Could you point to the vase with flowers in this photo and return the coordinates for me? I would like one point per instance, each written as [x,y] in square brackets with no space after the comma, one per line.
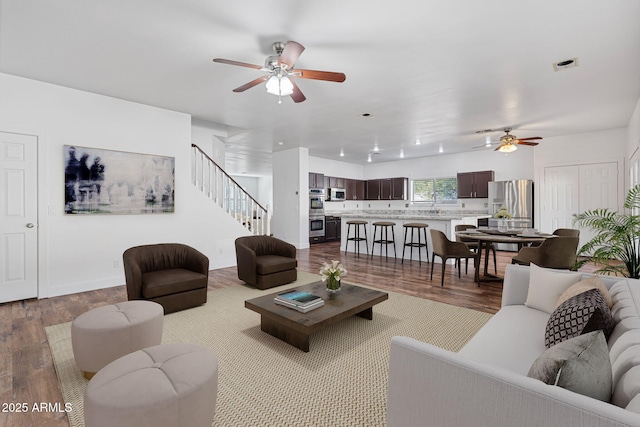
[503,215]
[331,275]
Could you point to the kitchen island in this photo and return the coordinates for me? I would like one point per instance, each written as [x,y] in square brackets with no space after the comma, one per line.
[444,221]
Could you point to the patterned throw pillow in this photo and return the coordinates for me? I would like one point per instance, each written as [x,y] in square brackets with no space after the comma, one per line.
[578,315]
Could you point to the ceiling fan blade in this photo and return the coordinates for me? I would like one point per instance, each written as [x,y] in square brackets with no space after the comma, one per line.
[292,50]
[493,144]
[297,94]
[498,147]
[251,84]
[241,64]
[533,137]
[527,142]
[320,75]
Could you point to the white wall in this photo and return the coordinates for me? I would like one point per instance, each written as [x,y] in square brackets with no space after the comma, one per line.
[593,147]
[335,168]
[633,131]
[290,199]
[78,252]
[206,136]
[517,165]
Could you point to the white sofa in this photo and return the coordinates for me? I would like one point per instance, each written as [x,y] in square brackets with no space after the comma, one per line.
[486,383]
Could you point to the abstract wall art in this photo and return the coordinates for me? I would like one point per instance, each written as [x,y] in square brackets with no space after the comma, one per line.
[99,181]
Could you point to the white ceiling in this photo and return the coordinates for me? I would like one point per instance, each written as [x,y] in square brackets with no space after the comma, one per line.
[433,70]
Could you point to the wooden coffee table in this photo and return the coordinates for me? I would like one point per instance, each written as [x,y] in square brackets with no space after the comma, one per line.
[295,328]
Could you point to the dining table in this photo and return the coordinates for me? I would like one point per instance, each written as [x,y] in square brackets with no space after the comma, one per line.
[484,237]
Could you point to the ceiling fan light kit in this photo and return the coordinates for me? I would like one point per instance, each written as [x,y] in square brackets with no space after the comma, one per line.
[508,142]
[507,148]
[280,69]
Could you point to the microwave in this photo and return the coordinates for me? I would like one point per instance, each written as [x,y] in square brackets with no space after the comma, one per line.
[337,194]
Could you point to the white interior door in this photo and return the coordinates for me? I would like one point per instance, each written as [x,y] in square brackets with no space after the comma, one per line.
[570,190]
[18,217]
[561,197]
[598,190]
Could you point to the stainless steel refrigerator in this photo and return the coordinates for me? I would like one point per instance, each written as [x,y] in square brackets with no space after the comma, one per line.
[517,197]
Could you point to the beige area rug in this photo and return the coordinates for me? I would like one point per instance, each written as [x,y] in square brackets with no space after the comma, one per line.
[266,382]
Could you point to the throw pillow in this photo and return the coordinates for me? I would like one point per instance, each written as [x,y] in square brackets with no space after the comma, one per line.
[578,315]
[546,286]
[594,282]
[580,364]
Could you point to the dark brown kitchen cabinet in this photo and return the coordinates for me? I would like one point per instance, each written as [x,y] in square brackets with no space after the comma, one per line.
[399,188]
[355,189]
[387,189]
[373,189]
[335,182]
[332,228]
[474,185]
[316,180]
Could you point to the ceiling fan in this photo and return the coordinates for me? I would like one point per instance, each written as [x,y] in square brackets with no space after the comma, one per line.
[279,68]
[508,142]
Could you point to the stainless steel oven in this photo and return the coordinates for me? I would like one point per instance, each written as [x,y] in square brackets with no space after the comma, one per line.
[316,226]
[316,201]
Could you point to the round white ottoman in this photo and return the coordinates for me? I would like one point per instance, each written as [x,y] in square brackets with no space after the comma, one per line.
[165,385]
[104,334]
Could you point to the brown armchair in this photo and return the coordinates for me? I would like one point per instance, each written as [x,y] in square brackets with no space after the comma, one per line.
[555,252]
[445,249]
[265,261]
[171,274]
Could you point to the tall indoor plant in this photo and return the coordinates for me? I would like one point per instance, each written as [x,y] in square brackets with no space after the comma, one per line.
[616,246]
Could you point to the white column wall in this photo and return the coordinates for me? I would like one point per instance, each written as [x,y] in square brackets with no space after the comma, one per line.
[290,199]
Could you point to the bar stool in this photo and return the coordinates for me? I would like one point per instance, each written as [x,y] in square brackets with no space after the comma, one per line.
[356,237]
[384,238]
[412,243]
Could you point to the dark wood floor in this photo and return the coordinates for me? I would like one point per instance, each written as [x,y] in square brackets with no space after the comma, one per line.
[26,368]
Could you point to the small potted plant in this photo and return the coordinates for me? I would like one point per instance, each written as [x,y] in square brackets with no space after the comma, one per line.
[503,215]
[331,274]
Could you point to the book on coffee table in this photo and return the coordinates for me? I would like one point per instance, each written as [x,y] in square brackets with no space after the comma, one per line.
[299,298]
[302,309]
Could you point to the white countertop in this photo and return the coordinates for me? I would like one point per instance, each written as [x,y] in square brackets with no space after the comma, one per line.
[409,215]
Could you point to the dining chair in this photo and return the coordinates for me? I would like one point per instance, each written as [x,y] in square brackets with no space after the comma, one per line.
[473,244]
[445,249]
[555,252]
[570,232]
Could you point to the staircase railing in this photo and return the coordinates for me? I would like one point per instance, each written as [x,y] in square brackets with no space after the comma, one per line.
[216,184]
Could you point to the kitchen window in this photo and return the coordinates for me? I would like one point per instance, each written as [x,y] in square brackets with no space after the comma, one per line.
[435,190]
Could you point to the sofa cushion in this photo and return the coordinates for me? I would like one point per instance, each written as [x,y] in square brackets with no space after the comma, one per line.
[166,282]
[512,339]
[546,286]
[269,264]
[594,282]
[580,364]
[580,314]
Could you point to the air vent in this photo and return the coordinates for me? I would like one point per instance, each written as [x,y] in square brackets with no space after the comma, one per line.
[567,63]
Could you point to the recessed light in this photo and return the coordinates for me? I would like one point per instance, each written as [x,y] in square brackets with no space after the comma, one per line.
[341,153]
[441,150]
[367,115]
[417,142]
[280,143]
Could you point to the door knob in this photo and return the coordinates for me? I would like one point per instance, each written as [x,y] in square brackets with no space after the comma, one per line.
[30,225]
